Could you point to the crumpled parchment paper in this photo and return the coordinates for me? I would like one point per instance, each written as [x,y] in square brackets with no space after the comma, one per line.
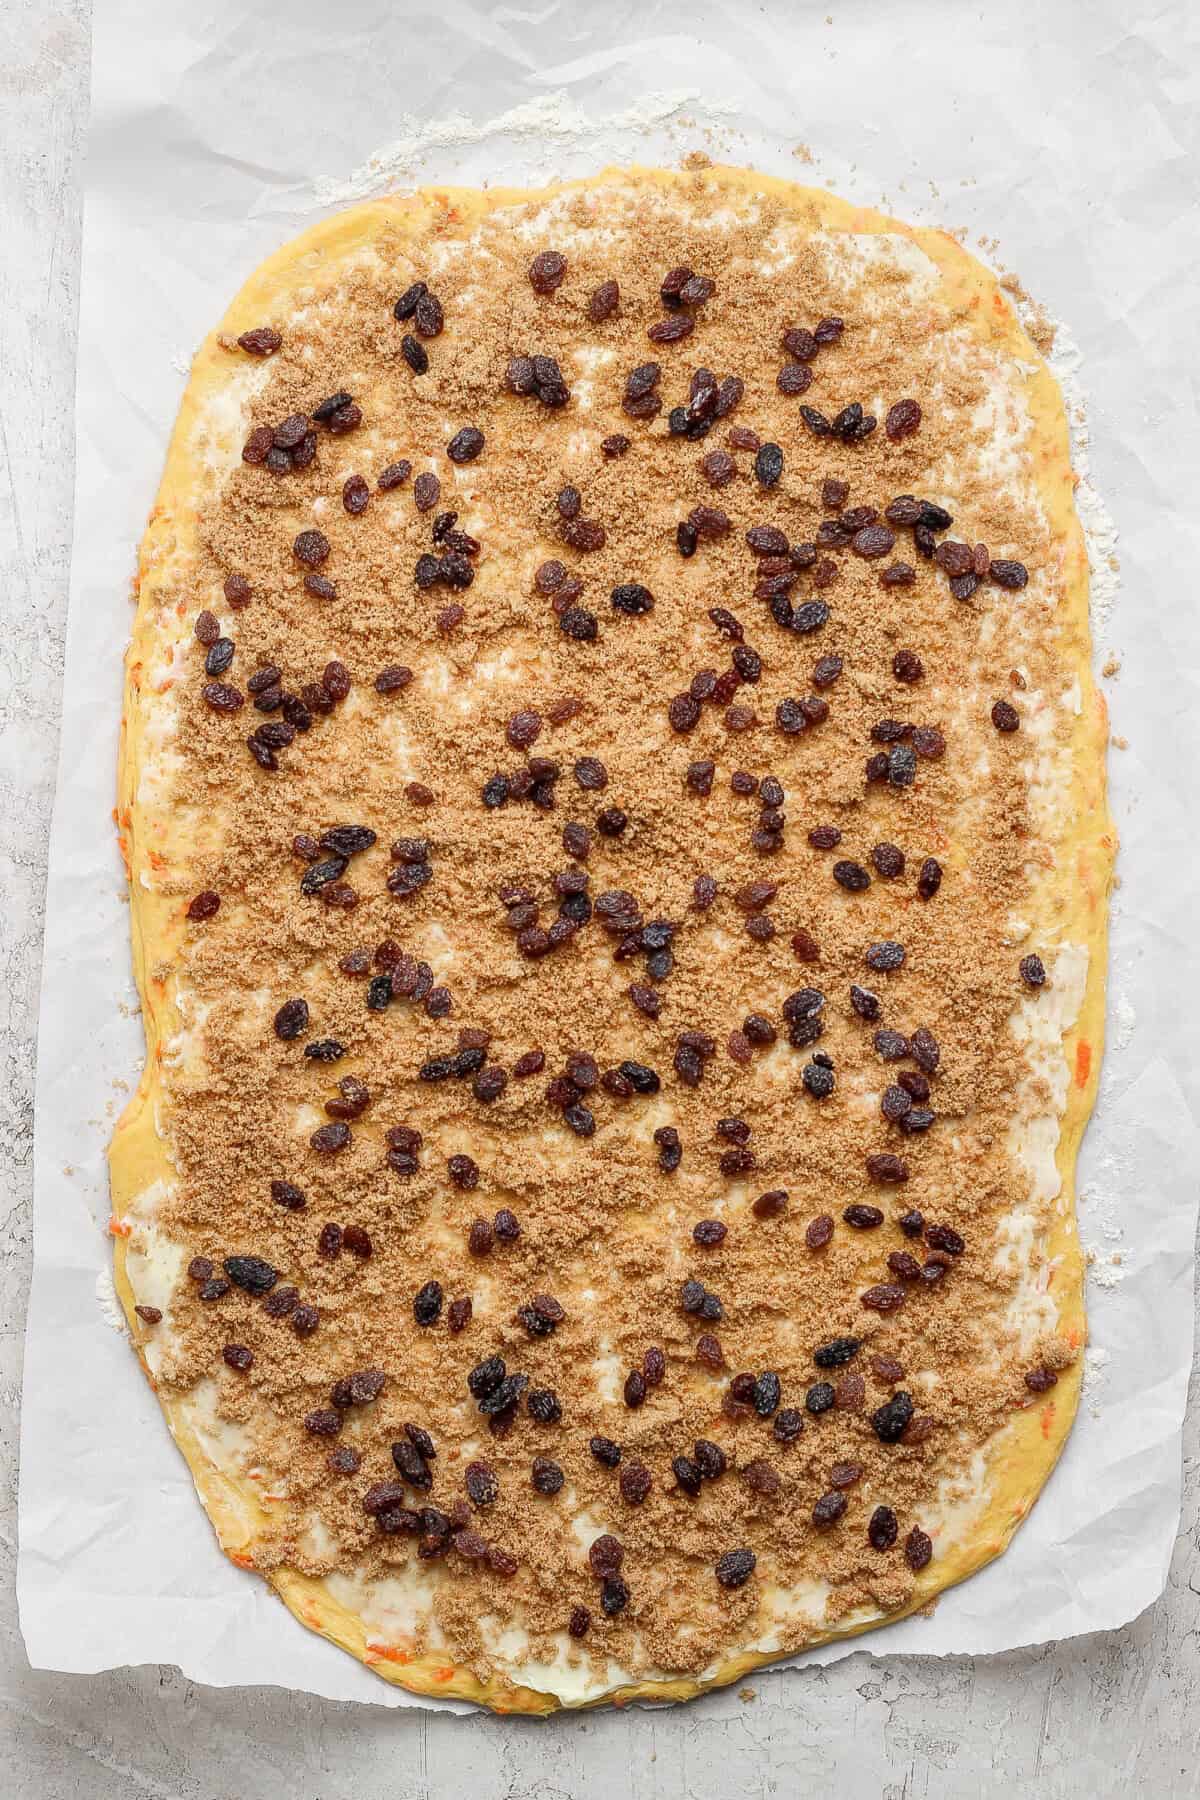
[1065,134]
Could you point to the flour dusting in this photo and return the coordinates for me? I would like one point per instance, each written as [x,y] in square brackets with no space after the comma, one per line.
[106,1300]
[1099,530]
[548,125]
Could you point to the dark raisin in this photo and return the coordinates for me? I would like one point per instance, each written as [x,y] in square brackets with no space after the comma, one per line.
[546,1477]
[768,465]
[1011,575]
[863,1218]
[263,340]
[836,1352]
[427,1304]
[930,878]
[903,419]
[829,1508]
[889,1421]
[465,445]
[671,329]
[735,1567]
[547,271]
[635,1482]
[632,598]
[851,876]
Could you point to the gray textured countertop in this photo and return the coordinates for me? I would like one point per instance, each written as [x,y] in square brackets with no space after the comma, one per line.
[1082,1718]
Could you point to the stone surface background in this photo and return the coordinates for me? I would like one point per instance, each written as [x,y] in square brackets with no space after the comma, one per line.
[1084,1718]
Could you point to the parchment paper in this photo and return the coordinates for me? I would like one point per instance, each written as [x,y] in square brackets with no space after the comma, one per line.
[1067,134]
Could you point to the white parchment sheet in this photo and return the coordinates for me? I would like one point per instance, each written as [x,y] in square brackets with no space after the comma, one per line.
[1064,132]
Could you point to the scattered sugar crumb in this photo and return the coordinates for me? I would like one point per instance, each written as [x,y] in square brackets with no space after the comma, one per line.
[1119,743]
[747,1693]
[803,153]
[1112,665]
[697,159]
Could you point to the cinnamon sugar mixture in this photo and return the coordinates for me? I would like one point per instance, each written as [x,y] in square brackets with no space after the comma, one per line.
[738,861]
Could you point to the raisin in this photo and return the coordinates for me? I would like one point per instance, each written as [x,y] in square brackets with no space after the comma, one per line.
[884,957]
[768,465]
[767,1394]
[897,574]
[406,305]
[672,329]
[465,445]
[1005,716]
[904,418]
[851,876]
[221,697]
[311,548]
[578,623]
[1033,971]
[604,302]
[735,1567]
[427,1304]
[394,476]
[251,1273]
[546,1477]
[890,1420]
[1012,575]
[291,1019]
[635,1482]
[328,1140]
[547,272]
[901,766]
[872,541]
[918,1549]
[930,878]
[204,906]
[864,1218]
[836,1352]
[355,495]
[262,340]
[428,314]
[794,378]
[414,353]
[426,491]
[886,1297]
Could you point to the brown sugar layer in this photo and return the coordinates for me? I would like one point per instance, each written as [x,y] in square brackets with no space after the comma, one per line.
[613,795]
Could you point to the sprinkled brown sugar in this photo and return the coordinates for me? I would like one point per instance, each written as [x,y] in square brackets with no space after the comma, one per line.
[597,1213]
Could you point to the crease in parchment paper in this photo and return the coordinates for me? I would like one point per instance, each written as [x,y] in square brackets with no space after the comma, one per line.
[117,1563]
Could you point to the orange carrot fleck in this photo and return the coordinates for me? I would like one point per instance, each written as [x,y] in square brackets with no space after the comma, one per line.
[1083,1062]
[119,1227]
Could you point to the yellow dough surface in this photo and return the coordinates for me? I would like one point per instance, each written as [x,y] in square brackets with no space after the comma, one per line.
[981,1470]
